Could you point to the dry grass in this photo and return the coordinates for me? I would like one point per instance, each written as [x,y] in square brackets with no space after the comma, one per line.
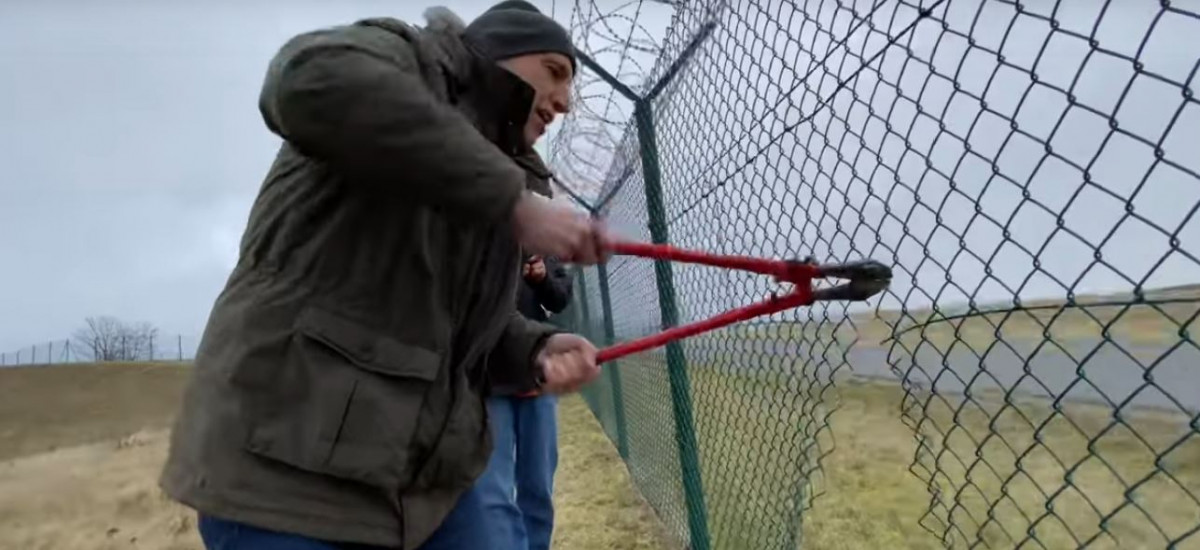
[99,496]
[81,447]
[871,500]
[759,444]
[1070,477]
[992,462]
[1087,482]
[1066,477]
[597,505]
[44,408]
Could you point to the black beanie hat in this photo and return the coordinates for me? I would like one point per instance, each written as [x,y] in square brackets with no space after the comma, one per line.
[515,27]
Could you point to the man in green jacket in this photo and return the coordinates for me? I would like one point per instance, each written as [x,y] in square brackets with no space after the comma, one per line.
[336,396]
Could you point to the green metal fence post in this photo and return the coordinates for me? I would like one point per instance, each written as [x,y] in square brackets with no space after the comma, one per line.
[585,328]
[613,369]
[681,396]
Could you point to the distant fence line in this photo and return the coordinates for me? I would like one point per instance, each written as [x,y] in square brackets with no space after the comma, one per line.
[173,347]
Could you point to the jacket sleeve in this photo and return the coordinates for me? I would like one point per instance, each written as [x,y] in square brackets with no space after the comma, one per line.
[518,348]
[554,292]
[365,110]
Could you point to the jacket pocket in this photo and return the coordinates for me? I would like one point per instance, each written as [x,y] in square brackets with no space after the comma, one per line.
[346,403]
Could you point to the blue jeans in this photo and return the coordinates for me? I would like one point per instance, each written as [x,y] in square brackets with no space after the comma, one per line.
[460,531]
[517,488]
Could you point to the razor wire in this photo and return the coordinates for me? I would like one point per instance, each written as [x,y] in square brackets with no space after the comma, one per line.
[1031,170]
[590,133]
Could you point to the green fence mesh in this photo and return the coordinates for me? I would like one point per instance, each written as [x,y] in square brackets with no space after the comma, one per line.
[1028,169]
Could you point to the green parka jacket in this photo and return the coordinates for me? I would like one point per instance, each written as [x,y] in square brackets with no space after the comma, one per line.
[337,389]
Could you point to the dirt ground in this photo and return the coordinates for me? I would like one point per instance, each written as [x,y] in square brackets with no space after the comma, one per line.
[81,447]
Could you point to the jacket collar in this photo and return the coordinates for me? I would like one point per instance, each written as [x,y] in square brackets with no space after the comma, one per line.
[502,99]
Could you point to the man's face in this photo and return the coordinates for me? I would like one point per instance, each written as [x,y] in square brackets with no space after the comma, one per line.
[550,76]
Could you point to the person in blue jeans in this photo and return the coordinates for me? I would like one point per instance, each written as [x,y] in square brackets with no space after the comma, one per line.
[517,488]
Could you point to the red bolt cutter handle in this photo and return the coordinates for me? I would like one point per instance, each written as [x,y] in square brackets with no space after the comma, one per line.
[797,273]
[774,304]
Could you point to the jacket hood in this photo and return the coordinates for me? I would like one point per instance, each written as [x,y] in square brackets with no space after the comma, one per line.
[437,19]
[440,40]
[441,18]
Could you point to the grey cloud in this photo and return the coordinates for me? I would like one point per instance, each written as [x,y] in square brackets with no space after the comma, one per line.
[132,149]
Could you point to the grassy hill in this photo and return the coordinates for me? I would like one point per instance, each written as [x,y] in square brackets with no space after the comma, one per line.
[44,408]
[81,447]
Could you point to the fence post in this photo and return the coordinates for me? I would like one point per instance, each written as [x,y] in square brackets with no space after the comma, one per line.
[180,343]
[681,397]
[585,328]
[613,369]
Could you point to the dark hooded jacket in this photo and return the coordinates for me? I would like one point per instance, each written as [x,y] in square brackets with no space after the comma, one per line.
[337,391]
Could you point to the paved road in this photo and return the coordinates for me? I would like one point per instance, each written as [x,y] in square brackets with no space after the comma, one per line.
[1154,377]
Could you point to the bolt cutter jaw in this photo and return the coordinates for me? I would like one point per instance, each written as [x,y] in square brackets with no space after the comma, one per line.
[866,279]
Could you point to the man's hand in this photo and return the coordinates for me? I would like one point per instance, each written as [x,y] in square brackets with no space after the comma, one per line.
[535,270]
[546,228]
[568,362]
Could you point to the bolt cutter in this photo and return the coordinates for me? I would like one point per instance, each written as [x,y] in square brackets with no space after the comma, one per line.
[866,278]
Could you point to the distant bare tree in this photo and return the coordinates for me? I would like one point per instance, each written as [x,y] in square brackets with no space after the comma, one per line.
[110,339]
[139,342]
[99,339]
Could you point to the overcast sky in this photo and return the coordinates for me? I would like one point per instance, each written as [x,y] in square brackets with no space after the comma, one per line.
[132,148]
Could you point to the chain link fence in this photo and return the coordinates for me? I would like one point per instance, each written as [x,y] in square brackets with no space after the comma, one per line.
[1030,170]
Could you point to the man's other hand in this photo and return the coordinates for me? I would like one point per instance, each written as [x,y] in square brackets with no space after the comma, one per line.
[547,228]
[568,362]
[535,270]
